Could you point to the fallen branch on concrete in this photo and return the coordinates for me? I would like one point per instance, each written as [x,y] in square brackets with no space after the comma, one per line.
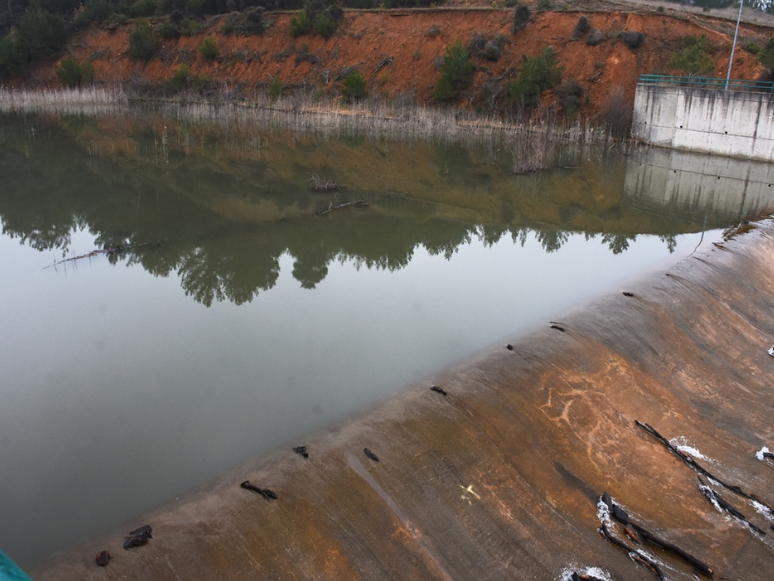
[699,468]
[636,531]
[720,503]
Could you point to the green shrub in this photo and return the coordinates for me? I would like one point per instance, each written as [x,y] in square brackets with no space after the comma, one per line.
[40,34]
[300,24]
[693,59]
[520,18]
[324,25]
[167,30]
[660,9]
[208,48]
[12,59]
[143,42]
[190,27]
[752,48]
[538,74]
[543,5]
[510,3]
[456,73]
[87,72]
[433,31]
[181,77]
[354,87]
[71,73]
[143,9]
[766,56]
[318,16]
[276,88]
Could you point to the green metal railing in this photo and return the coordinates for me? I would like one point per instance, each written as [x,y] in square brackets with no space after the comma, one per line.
[709,83]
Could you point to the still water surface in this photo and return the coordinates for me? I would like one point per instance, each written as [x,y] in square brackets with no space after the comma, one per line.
[244,320]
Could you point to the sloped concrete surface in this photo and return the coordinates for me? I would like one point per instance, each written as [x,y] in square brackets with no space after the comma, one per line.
[500,479]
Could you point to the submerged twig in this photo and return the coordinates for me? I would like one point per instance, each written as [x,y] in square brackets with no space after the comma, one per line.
[109,250]
[320,185]
[331,207]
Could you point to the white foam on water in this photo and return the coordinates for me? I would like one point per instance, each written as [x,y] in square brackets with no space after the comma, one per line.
[682,444]
[759,453]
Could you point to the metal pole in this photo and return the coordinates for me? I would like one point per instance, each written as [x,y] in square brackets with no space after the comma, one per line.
[733,46]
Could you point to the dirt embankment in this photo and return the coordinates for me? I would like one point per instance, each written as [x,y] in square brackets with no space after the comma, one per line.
[414,40]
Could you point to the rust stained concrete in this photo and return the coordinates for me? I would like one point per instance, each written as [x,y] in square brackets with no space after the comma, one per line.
[499,480]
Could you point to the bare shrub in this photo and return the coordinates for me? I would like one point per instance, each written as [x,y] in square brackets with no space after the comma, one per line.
[520,18]
[632,38]
[595,37]
[617,114]
[477,42]
[569,95]
[582,27]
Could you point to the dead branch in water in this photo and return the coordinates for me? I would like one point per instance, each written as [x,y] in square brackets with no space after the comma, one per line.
[108,250]
[331,207]
[320,185]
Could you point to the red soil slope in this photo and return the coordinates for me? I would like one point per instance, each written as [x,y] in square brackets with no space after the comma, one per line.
[365,39]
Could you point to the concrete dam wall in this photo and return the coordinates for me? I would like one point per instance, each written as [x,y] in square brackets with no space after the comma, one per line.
[501,477]
[731,123]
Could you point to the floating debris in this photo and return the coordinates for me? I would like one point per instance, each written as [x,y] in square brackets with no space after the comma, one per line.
[103,558]
[628,294]
[557,327]
[301,450]
[370,454]
[440,390]
[509,347]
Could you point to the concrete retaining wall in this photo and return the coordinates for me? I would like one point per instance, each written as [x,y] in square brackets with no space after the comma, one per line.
[732,123]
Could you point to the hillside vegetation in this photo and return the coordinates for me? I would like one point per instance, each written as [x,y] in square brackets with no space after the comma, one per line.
[508,57]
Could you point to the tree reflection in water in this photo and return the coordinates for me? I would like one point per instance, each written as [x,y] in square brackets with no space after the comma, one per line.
[222,223]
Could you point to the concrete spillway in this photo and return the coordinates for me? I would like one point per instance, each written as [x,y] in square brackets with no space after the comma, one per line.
[500,478]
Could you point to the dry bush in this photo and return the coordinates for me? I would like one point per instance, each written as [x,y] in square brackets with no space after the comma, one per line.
[582,27]
[633,39]
[617,115]
[595,37]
